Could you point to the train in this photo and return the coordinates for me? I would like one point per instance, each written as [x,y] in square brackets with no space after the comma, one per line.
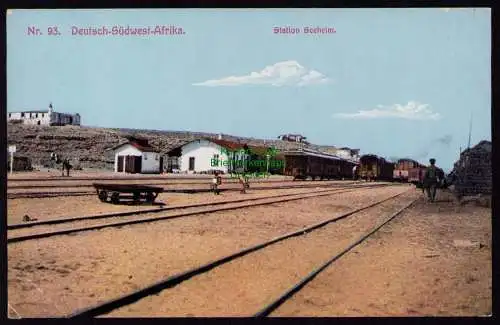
[408,170]
[304,163]
[375,168]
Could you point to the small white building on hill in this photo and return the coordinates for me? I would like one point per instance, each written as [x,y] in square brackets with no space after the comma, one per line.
[137,156]
[44,117]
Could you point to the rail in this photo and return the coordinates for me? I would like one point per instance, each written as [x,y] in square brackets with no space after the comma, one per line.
[174,280]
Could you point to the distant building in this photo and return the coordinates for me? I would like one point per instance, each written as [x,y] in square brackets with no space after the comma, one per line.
[137,156]
[44,117]
[293,138]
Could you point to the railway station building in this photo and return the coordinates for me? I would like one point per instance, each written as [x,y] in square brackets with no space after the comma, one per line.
[137,157]
[207,155]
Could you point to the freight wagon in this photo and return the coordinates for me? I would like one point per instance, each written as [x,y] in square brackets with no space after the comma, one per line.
[374,168]
[403,167]
[304,163]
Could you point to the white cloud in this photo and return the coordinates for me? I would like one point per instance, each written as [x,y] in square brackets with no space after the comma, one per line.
[410,111]
[287,73]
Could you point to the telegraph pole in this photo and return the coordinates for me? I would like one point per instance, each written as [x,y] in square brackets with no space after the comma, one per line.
[12,149]
[470,131]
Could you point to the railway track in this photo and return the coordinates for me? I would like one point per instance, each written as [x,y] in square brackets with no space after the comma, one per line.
[288,294]
[37,195]
[175,280]
[147,181]
[97,220]
[109,178]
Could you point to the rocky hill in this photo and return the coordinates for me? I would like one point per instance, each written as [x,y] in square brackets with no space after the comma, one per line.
[88,146]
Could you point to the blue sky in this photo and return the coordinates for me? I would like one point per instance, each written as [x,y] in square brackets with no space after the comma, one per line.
[394,82]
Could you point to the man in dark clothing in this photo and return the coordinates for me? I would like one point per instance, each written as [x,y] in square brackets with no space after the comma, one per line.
[431,176]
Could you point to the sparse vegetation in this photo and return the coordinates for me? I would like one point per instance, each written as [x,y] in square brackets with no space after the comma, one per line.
[89,147]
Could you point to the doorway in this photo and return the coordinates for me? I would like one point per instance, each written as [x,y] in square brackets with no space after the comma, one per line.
[161,165]
[191,163]
[120,164]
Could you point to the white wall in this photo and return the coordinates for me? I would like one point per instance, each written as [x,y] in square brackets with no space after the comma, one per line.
[125,150]
[150,162]
[203,152]
[44,118]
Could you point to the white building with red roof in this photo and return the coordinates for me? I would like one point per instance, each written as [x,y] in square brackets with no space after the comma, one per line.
[207,155]
[137,156]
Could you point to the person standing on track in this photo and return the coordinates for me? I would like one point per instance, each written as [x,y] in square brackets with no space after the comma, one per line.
[243,183]
[354,170]
[216,181]
[431,180]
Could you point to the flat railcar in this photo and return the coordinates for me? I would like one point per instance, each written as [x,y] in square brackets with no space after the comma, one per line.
[375,168]
[130,192]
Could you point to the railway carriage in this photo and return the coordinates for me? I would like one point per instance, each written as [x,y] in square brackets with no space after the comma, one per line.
[304,163]
[403,167]
[373,168]
[416,174]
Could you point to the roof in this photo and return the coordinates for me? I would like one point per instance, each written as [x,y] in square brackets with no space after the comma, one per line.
[231,145]
[143,148]
[227,144]
[35,111]
[407,159]
[372,156]
[315,153]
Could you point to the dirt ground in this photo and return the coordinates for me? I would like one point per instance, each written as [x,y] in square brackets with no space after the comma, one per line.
[74,206]
[412,267]
[178,185]
[44,175]
[243,286]
[159,212]
[55,276]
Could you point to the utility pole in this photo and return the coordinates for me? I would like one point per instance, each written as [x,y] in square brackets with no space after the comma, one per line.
[470,131]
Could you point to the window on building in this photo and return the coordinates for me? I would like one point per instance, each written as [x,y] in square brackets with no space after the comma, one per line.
[145,156]
[157,157]
[43,114]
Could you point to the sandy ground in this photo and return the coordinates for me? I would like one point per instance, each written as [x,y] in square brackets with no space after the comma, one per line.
[410,268]
[54,276]
[55,208]
[78,182]
[159,213]
[241,287]
[90,174]
[205,185]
